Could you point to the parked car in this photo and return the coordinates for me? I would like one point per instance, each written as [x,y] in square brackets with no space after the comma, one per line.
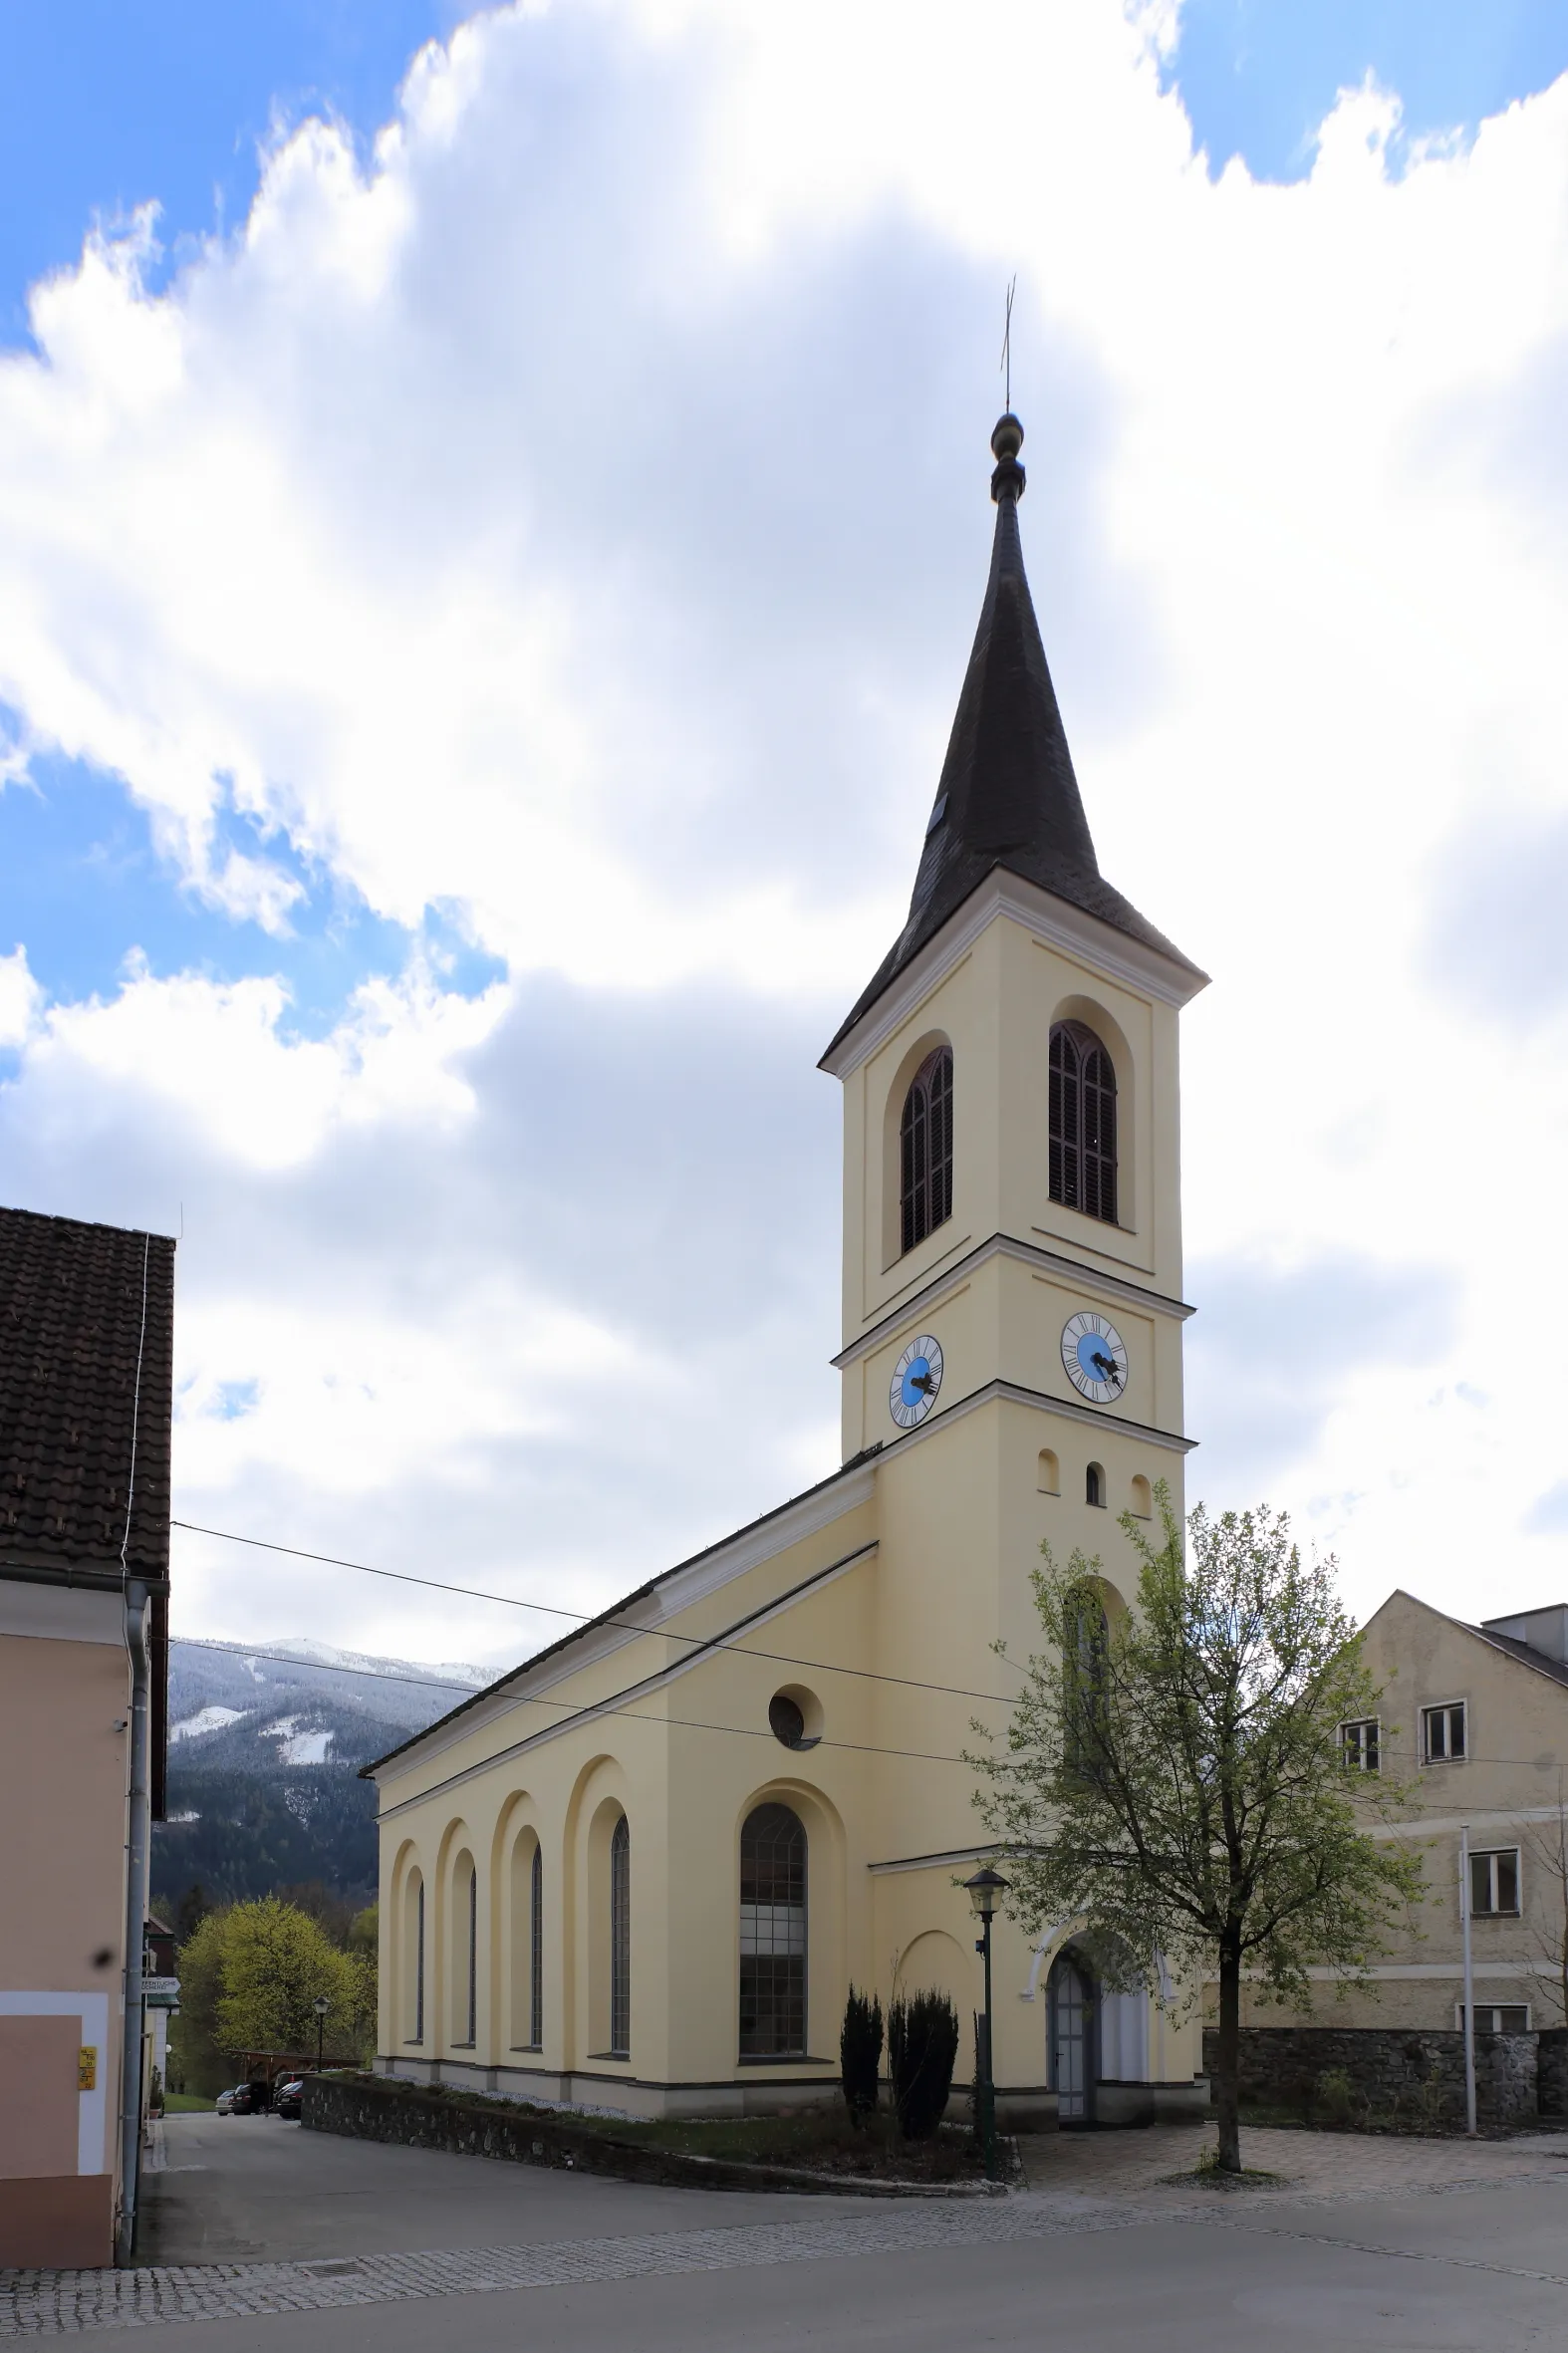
[245,2099]
[286,2096]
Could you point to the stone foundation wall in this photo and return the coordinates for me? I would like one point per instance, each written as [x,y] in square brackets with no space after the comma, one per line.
[1396,2075]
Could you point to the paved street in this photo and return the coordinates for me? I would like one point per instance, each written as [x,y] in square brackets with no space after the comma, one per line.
[275,2239]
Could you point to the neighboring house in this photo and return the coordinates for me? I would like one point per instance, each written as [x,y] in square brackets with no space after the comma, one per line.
[1474,1722]
[85,1355]
[642,1870]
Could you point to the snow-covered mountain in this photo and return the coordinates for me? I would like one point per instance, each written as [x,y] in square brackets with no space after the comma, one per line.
[265,1748]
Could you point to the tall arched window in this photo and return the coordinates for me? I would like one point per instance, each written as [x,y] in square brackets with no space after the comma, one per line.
[1083,1122]
[1084,1667]
[415,1958]
[536,1951]
[621,1940]
[464,1993]
[773,1934]
[926,1149]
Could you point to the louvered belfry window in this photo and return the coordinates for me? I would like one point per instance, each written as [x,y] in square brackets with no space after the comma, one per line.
[620,1942]
[925,1148]
[1083,1122]
[773,1934]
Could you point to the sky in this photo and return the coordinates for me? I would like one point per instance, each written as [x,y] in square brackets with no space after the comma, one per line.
[493,510]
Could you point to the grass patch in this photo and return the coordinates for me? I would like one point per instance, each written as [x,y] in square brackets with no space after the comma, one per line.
[186,2104]
[824,2143]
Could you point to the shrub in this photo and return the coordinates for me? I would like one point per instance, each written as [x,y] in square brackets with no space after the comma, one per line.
[860,2054]
[1335,2095]
[922,2043]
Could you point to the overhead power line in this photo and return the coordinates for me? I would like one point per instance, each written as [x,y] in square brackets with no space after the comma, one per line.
[510,1601]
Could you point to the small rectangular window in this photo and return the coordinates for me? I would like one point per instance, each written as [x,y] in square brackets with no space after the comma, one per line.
[1360,1744]
[1443,1733]
[1495,1883]
[1500,2017]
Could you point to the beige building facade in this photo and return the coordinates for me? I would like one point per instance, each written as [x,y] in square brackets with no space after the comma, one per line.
[641,1871]
[1472,1727]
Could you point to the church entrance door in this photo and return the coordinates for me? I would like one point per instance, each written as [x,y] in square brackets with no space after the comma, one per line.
[1072,2040]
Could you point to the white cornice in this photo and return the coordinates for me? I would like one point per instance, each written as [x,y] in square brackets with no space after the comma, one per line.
[1067,1410]
[939,1288]
[1051,920]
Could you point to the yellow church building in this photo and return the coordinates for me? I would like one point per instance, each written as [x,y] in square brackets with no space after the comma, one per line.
[641,1872]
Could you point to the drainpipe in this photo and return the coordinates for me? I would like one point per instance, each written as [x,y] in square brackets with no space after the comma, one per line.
[1469,1982]
[137,1838]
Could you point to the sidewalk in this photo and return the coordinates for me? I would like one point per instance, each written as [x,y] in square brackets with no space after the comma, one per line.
[1137,2166]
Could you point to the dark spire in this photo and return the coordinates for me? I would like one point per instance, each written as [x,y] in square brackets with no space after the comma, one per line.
[1008,795]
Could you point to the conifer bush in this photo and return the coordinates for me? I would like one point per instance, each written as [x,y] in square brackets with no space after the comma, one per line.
[860,2054]
[923,2044]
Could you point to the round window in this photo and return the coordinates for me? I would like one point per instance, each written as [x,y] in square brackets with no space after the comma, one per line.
[787,1721]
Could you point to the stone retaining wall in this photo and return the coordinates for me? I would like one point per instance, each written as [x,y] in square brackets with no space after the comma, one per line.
[385,2108]
[1552,2080]
[1397,2075]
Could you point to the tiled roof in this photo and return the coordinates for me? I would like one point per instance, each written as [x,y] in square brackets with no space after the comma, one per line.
[71,1331]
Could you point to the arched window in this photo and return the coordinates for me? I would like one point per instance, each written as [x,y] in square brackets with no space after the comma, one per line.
[1088,1639]
[536,1951]
[1083,1122]
[926,1149]
[621,1940]
[1143,1497]
[1050,1474]
[464,1998]
[1094,1485]
[773,1934]
[414,1955]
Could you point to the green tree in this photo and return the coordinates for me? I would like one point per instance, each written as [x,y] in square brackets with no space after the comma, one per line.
[1174,1775]
[276,1961]
[199,2060]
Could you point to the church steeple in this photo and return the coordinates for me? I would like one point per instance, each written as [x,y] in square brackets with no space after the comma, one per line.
[1007,796]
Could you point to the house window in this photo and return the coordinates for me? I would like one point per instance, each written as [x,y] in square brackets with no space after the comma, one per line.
[620,1942]
[1495,1883]
[926,1149]
[536,1950]
[1443,1732]
[773,1934]
[1359,1745]
[1083,1122]
[1094,1485]
[1497,2017]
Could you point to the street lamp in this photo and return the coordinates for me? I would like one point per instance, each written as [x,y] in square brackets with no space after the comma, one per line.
[986,1889]
[321,2005]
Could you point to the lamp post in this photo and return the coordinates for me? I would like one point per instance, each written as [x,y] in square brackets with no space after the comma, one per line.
[986,1889]
[321,2005]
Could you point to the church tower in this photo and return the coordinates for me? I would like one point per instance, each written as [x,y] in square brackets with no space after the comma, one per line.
[1012,1203]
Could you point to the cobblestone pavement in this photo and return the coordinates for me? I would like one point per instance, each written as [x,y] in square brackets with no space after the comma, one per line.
[1139,2165]
[1077,2184]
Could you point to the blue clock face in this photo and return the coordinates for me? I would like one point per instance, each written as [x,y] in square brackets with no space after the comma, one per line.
[1094,1358]
[917,1377]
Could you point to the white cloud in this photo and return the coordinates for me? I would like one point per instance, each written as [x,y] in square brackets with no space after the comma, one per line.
[20,998]
[576,517]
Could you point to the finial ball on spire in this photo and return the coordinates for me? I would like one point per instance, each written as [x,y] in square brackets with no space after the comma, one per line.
[1007,439]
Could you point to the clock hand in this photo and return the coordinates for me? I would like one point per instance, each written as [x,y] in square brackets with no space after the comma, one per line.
[921,1380]
[1106,1369]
